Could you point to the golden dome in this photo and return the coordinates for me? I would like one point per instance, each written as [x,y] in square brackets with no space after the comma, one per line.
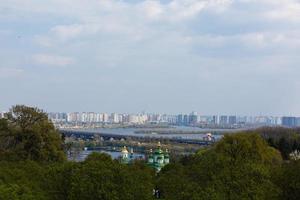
[158,144]
[124,150]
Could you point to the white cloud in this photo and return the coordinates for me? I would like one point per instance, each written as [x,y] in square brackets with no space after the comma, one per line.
[152,9]
[83,10]
[227,42]
[44,41]
[70,31]
[5,32]
[174,11]
[133,21]
[179,10]
[271,40]
[52,60]
[288,12]
[6,72]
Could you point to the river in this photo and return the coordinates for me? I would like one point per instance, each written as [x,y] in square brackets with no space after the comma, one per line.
[185,132]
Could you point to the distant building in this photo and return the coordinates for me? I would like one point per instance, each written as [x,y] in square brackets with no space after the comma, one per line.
[158,159]
[172,119]
[133,119]
[215,119]
[98,117]
[186,120]
[58,117]
[179,120]
[297,121]
[121,118]
[209,137]
[137,119]
[193,119]
[263,120]
[105,117]
[289,122]
[126,158]
[250,120]
[164,118]
[73,117]
[223,120]
[155,118]
[88,117]
[232,120]
[241,119]
[114,118]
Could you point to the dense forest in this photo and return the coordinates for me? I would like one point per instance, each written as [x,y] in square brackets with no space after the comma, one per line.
[248,165]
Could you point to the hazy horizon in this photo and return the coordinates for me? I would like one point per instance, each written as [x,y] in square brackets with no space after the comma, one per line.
[160,112]
[235,57]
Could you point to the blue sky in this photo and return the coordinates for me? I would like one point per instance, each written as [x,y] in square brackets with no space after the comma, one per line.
[211,56]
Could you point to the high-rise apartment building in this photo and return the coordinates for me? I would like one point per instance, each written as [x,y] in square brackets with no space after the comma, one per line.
[193,119]
[232,120]
[137,119]
[114,118]
[298,121]
[289,122]
[215,119]
[179,120]
[223,120]
[58,117]
[105,117]
[186,120]
[73,117]
[172,119]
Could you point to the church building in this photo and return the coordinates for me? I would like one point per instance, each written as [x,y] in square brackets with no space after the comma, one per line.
[158,159]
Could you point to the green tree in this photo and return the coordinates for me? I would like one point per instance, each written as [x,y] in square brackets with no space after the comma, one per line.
[57,178]
[246,162]
[137,182]
[21,180]
[174,183]
[100,177]
[286,140]
[288,179]
[27,133]
[15,192]
[237,167]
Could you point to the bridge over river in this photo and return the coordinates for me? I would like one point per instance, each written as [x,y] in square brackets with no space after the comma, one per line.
[119,135]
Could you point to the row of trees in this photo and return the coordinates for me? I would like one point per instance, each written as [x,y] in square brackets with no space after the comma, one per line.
[240,166]
[286,140]
[99,177]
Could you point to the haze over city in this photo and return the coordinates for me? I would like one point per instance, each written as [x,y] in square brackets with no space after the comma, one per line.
[171,56]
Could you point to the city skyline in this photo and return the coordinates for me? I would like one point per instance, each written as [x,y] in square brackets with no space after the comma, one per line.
[213,56]
[143,111]
[180,119]
[191,119]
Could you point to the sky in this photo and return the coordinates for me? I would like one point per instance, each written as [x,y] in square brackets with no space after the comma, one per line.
[167,56]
